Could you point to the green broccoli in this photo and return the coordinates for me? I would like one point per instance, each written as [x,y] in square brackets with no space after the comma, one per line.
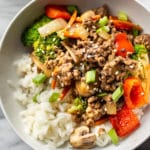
[31,34]
[44,47]
[79,105]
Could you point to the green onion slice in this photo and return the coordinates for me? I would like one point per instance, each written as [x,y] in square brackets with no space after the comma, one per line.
[39,79]
[103,21]
[90,76]
[122,16]
[139,48]
[117,94]
[54,97]
[35,97]
[113,135]
[102,94]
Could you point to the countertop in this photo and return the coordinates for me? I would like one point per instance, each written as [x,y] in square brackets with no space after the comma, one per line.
[8,139]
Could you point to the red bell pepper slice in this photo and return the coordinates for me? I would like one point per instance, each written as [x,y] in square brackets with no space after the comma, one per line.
[54,11]
[134,94]
[125,25]
[123,45]
[124,122]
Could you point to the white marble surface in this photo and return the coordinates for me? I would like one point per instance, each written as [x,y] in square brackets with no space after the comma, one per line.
[8,139]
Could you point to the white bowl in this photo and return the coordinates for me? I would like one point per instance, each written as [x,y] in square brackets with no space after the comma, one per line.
[12,49]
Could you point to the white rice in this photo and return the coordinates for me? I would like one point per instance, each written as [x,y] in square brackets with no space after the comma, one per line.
[41,120]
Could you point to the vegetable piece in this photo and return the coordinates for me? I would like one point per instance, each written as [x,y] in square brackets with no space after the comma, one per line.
[53,26]
[71,52]
[139,50]
[39,79]
[40,65]
[102,94]
[117,94]
[135,32]
[54,11]
[125,25]
[79,105]
[103,21]
[124,122]
[133,93]
[72,8]
[44,47]
[101,121]
[90,76]
[102,33]
[72,20]
[96,17]
[65,92]
[54,97]
[146,82]
[122,16]
[113,135]
[35,97]
[53,84]
[31,34]
[123,45]
[76,31]
[83,89]
[111,108]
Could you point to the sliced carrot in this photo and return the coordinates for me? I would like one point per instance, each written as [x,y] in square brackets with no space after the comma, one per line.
[96,17]
[101,121]
[72,19]
[53,84]
[64,92]
[79,19]
[71,35]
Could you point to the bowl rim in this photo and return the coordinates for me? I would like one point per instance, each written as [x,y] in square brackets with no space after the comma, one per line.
[1,45]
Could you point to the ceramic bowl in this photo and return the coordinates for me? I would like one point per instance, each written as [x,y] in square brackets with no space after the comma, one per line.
[12,49]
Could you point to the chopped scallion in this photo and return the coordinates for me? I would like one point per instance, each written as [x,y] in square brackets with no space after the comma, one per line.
[105,28]
[90,76]
[39,79]
[102,94]
[103,21]
[54,97]
[113,135]
[139,48]
[35,97]
[122,16]
[117,94]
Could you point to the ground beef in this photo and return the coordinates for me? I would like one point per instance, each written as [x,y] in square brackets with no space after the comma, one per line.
[93,112]
[114,72]
[143,39]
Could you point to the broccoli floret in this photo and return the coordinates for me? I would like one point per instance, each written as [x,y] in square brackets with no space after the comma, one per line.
[79,105]
[44,47]
[31,33]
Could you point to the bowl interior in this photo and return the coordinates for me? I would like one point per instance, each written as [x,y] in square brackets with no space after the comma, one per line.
[12,49]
